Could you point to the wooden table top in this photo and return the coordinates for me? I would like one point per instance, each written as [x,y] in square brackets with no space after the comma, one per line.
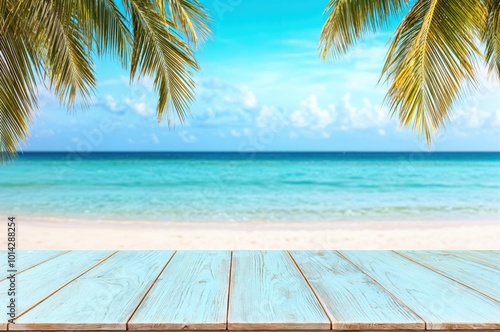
[254,290]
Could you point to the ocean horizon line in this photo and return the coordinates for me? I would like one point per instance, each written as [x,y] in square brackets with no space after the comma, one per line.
[257,152]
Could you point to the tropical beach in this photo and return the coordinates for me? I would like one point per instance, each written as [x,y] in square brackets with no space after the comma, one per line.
[263,165]
[262,201]
[250,124]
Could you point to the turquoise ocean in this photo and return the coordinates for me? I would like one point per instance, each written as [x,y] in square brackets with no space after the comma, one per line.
[225,187]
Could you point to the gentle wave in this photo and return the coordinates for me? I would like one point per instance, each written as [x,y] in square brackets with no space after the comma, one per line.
[234,187]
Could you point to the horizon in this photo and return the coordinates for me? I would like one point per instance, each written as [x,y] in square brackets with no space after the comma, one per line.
[257,152]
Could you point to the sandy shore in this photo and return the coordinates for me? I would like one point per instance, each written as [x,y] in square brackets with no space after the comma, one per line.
[40,233]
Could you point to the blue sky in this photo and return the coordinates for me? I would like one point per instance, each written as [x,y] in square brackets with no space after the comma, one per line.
[262,88]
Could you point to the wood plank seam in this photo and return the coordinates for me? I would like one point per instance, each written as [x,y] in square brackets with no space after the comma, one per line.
[284,330]
[229,288]
[444,275]
[270,293]
[64,285]
[311,288]
[148,290]
[475,260]
[32,266]
[384,288]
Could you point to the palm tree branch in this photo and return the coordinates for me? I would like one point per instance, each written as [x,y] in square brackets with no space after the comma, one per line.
[349,20]
[491,36]
[158,51]
[432,53]
[104,23]
[18,90]
[190,17]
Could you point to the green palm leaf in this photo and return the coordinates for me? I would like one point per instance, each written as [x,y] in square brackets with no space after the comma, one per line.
[158,50]
[491,36]
[18,91]
[431,62]
[190,17]
[349,20]
[57,41]
[433,53]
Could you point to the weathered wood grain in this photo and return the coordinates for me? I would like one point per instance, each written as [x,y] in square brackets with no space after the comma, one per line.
[440,301]
[352,300]
[26,259]
[489,258]
[360,291]
[268,292]
[482,278]
[305,330]
[190,294]
[39,282]
[102,299]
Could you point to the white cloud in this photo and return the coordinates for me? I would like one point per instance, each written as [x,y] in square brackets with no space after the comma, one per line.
[111,102]
[473,117]
[297,119]
[186,137]
[321,118]
[140,106]
[220,103]
[311,117]
[496,119]
[247,97]
[271,117]
[367,116]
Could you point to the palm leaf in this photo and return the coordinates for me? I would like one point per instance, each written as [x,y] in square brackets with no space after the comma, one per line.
[67,49]
[18,91]
[349,20]
[56,41]
[433,52]
[188,16]
[491,36]
[104,23]
[159,51]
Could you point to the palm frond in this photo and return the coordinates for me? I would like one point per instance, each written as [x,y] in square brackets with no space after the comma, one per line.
[433,52]
[69,62]
[491,36]
[349,20]
[18,91]
[104,23]
[159,51]
[66,48]
[3,11]
[57,41]
[190,17]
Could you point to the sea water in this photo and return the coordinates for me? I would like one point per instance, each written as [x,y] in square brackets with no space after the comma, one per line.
[225,187]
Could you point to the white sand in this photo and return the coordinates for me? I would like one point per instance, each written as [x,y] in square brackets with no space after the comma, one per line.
[40,233]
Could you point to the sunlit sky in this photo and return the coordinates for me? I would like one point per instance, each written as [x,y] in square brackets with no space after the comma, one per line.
[262,87]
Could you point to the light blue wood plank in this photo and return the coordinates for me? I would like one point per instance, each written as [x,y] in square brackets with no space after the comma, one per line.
[39,282]
[268,292]
[102,299]
[190,294]
[440,301]
[352,300]
[489,258]
[26,259]
[482,278]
